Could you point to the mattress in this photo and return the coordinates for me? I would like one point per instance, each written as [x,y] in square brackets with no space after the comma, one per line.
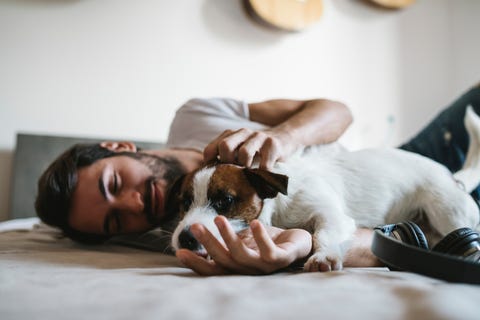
[45,276]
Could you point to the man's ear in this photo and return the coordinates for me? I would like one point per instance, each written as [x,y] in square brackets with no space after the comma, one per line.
[266,183]
[119,146]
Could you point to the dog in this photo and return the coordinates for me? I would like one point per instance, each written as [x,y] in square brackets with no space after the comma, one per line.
[330,194]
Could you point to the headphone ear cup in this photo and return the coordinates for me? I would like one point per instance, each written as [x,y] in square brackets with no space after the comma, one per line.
[411,234]
[458,242]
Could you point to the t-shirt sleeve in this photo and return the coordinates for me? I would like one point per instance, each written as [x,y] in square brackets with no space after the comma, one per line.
[199,121]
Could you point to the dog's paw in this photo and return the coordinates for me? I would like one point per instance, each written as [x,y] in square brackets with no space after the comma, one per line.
[323,262]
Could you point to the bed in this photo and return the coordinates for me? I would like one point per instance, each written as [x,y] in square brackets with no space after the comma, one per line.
[46,276]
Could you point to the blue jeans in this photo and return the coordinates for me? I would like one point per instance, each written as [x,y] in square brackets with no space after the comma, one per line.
[445,139]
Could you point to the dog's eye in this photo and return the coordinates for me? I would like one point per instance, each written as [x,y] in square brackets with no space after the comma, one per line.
[223,203]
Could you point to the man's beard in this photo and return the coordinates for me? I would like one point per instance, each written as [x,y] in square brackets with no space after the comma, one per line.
[166,168]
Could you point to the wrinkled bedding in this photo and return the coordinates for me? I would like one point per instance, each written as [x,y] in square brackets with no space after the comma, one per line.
[43,276]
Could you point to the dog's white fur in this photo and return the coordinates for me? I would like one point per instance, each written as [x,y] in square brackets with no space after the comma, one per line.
[332,193]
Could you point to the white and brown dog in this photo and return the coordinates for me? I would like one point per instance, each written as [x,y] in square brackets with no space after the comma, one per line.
[332,193]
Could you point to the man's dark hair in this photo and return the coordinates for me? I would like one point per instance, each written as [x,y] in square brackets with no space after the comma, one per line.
[57,184]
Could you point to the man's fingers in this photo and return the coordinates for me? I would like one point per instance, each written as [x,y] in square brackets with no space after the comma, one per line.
[269,252]
[226,145]
[212,245]
[240,254]
[234,244]
[211,150]
[268,154]
[217,251]
[269,259]
[241,147]
[199,264]
[235,256]
[248,150]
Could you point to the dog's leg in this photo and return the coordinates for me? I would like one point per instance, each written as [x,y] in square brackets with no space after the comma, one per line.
[330,232]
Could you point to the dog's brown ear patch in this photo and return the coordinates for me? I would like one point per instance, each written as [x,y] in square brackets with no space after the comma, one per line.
[266,183]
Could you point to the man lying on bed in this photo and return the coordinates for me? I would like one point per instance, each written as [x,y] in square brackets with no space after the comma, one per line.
[94,192]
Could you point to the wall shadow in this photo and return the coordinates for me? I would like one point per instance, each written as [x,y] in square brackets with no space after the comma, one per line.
[229,21]
[360,9]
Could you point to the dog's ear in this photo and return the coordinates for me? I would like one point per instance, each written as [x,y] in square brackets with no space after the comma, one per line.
[266,183]
[172,205]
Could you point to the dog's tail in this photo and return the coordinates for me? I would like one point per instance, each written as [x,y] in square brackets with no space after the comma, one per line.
[469,175]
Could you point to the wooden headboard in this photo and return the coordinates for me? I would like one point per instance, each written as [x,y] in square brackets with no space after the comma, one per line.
[33,154]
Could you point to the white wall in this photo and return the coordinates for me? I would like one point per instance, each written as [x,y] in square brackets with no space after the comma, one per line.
[119,68]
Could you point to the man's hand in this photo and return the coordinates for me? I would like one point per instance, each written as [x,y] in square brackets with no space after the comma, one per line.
[292,124]
[241,147]
[257,250]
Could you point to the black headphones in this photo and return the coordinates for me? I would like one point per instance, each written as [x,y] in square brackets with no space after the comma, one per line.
[455,258]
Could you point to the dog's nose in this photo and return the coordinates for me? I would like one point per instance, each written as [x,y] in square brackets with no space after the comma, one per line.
[187,240]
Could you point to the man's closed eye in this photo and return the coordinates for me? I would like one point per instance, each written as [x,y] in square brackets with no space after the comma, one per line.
[114,187]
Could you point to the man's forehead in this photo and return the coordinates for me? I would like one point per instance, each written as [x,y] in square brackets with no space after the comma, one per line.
[96,168]
[92,170]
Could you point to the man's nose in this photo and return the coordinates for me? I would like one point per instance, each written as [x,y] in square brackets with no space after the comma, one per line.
[130,201]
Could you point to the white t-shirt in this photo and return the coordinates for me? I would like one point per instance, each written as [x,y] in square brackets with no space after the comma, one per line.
[199,121]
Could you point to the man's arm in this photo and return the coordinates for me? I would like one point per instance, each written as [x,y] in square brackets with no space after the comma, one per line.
[359,253]
[293,124]
[307,123]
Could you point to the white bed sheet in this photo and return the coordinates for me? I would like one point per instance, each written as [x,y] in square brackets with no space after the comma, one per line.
[45,277]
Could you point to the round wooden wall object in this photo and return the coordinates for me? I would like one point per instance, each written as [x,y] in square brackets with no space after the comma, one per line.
[291,15]
[393,4]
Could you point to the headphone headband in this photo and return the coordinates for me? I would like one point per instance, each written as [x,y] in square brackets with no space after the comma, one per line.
[430,263]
